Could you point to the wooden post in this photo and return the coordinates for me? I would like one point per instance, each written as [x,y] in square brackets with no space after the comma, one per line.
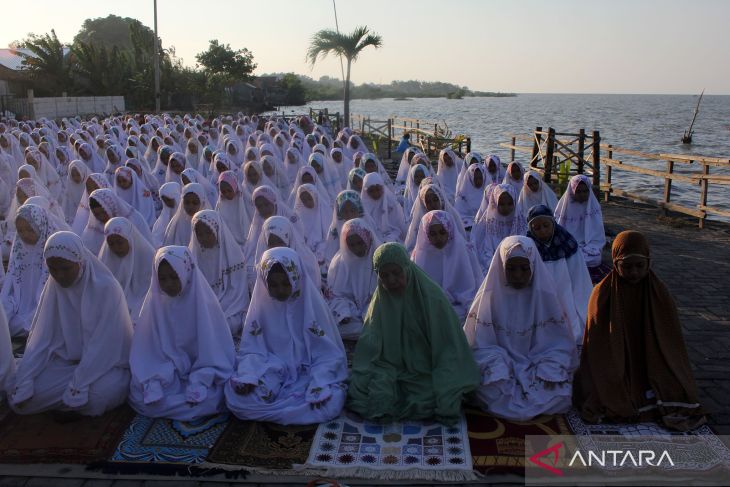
[390,137]
[418,131]
[468,145]
[597,160]
[549,151]
[536,146]
[607,193]
[668,184]
[581,149]
[704,186]
[512,151]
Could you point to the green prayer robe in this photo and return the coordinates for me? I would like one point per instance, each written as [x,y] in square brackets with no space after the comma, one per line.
[412,360]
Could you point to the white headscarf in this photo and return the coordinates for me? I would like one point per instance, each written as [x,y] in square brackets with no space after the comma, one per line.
[583,220]
[74,191]
[185,335]
[93,234]
[179,230]
[83,212]
[404,166]
[193,176]
[223,267]
[411,192]
[455,267]
[386,212]
[497,176]
[446,175]
[420,210]
[315,220]
[543,196]
[292,167]
[516,183]
[234,212]
[521,337]
[324,195]
[133,271]
[138,196]
[87,324]
[491,228]
[470,159]
[468,196]
[327,176]
[171,191]
[283,228]
[298,335]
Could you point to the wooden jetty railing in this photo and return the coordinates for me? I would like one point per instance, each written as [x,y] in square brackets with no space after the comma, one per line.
[552,155]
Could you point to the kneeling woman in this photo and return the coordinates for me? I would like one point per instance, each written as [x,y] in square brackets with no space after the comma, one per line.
[77,355]
[412,360]
[182,350]
[291,363]
[520,336]
[634,364]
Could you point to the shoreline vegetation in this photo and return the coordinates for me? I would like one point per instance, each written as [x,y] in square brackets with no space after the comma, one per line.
[328,88]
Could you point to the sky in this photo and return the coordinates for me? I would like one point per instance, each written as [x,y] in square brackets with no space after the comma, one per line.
[522,46]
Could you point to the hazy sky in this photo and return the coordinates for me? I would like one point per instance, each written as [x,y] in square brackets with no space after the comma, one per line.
[559,46]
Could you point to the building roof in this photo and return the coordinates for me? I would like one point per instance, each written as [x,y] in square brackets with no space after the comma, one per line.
[13,58]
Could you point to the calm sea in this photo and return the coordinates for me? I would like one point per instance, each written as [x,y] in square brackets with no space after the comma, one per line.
[650,123]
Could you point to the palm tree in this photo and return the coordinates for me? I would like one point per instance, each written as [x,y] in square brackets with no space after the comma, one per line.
[48,64]
[349,46]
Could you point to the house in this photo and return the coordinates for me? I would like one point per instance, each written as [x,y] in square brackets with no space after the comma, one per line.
[13,79]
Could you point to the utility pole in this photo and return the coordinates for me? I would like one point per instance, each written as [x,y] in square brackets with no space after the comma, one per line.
[157,65]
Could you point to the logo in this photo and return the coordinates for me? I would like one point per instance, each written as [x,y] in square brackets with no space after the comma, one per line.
[553,450]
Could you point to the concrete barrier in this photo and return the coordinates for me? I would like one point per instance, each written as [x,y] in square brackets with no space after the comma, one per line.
[69,106]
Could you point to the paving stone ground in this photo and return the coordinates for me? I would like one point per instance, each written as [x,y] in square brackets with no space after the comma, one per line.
[694,264]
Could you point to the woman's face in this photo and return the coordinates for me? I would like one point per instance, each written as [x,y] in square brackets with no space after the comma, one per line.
[118,245]
[448,161]
[169,281]
[278,285]
[100,213]
[349,211]
[268,168]
[505,204]
[533,184]
[517,272]
[177,166]
[63,271]
[392,278]
[123,182]
[91,186]
[169,202]
[191,204]
[357,183]
[581,193]
[252,175]
[375,191]
[264,207]
[370,166]
[337,157]
[478,179]
[418,177]
[75,176]
[438,235]
[226,191]
[307,200]
[633,268]
[26,232]
[317,167]
[205,235]
[112,156]
[275,241]
[515,172]
[357,245]
[432,200]
[542,228]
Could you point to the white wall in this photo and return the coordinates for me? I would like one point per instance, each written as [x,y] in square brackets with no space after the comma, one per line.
[76,105]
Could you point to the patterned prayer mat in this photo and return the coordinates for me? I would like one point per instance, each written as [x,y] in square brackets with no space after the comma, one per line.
[61,438]
[498,445]
[351,447]
[697,450]
[263,446]
[149,440]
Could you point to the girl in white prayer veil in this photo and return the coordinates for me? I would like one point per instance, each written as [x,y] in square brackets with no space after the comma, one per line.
[535,192]
[46,172]
[448,172]
[417,173]
[381,205]
[77,174]
[77,354]
[190,175]
[293,162]
[448,259]
[128,256]
[7,361]
[232,207]
[104,204]
[579,212]
[170,196]
[515,176]
[316,217]
[469,160]
[504,217]
[520,337]
[182,349]
[430,197]
[89,156]
[495,172]
[404,166]
[278,231]
[291,365]
[330,182]
[254,178]
[274,169]
[179,230]
[351,279]
[27,272]
[220,259]
[307,175]
[133,191]
[93,182]
[469,193]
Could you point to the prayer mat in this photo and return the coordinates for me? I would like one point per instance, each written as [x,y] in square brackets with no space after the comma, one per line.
[498,445]
[415,450]
[160,440]
[263,446]
[696,450]
[599,272]
[55,437]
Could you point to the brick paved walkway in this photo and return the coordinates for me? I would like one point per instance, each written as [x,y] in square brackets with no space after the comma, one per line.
[695,265]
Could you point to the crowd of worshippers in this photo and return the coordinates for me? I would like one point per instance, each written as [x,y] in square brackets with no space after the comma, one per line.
[190,266]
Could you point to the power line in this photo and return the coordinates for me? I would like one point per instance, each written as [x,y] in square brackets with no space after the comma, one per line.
[337,26]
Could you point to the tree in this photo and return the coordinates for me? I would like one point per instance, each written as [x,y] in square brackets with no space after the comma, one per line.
[349,46]
[223,67]
[294,89]
[111,31]
[48,64]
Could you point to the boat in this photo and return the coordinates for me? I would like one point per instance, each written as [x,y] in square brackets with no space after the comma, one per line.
[687,137]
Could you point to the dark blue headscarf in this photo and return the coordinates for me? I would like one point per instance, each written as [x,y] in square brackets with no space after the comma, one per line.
[560,246]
